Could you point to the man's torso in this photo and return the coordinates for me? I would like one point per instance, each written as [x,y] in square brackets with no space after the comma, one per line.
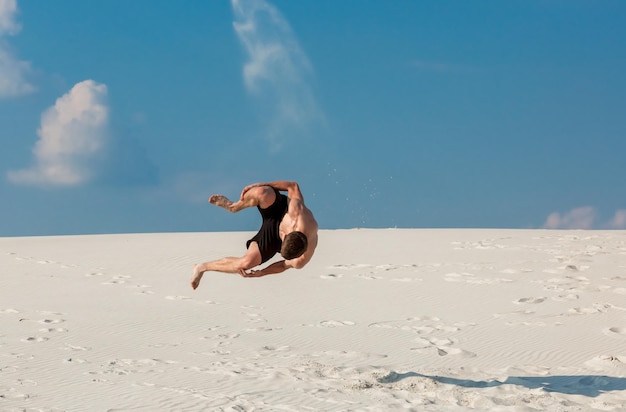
[300,218]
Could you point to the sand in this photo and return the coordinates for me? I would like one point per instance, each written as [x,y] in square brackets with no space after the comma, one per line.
[390,319]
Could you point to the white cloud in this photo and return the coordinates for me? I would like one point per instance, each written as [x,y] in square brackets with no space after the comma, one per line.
[619,220]
[8,9]
[579,218]
[12,70]
[277,70]
[72,134]
[584,218]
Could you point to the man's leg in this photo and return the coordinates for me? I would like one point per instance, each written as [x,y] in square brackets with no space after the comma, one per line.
[251,259]
[263,196]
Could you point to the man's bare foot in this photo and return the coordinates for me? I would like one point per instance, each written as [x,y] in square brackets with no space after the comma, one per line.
[221,201]
[197,275]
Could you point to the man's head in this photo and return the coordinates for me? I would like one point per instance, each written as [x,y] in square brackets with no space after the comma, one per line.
[294,245]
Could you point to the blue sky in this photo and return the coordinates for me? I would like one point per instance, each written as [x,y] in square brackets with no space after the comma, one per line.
[124,116]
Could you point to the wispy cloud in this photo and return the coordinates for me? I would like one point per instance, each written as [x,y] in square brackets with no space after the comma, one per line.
[277,71]
[619,220]
[72,134]
[8,9]
[12,70]
[584,218]
[579,218]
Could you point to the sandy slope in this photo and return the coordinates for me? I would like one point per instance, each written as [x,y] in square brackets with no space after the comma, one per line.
[423,320]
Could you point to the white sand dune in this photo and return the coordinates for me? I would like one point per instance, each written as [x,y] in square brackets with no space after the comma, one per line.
[424,320]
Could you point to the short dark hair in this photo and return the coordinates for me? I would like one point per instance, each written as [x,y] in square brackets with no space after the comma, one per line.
[294,245]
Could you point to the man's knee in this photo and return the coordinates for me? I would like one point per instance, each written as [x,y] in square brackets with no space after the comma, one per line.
[255,194]
[266,196]
[260,192]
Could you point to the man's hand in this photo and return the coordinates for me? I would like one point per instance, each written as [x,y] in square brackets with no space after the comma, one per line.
[252,273]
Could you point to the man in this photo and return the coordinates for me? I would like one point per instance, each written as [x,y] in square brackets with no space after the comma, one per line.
[288,227]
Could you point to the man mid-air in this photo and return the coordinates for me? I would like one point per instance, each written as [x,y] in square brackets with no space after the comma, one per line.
[288,227]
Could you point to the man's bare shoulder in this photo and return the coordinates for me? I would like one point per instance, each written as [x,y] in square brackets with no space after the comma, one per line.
[293,191]
[305,216]
[295,202]
[304,219]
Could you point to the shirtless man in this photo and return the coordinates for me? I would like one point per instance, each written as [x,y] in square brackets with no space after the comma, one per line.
[288,227]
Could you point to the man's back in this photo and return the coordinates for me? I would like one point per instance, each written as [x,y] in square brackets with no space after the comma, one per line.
[300,218]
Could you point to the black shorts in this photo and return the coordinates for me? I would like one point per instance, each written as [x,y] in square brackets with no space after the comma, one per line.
[268,237]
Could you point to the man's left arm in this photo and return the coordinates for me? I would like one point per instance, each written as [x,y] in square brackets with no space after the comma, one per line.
[274,268]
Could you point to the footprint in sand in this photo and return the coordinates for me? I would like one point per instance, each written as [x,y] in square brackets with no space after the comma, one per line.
[263,329]
[51,321]
[615,331]
[227,336]
[35,339]
[529,300]
[541,324]
[607,361]
[138,286]
[422,325]
[254,317]
[593,309]
[13,394]
[443,347]
[563,298]
[75,361]
[470,278]
[117,280]
[441,341]
[333,323]
[114,282]
[406,280]
[223,339]
[76,348]
[283,348]
[458,277]
[177,297]
[351,266]
[131,366]
[455,352]
[424,343]
[26,382]
[53,330]
[368,277]
[50,313]
[331,276]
